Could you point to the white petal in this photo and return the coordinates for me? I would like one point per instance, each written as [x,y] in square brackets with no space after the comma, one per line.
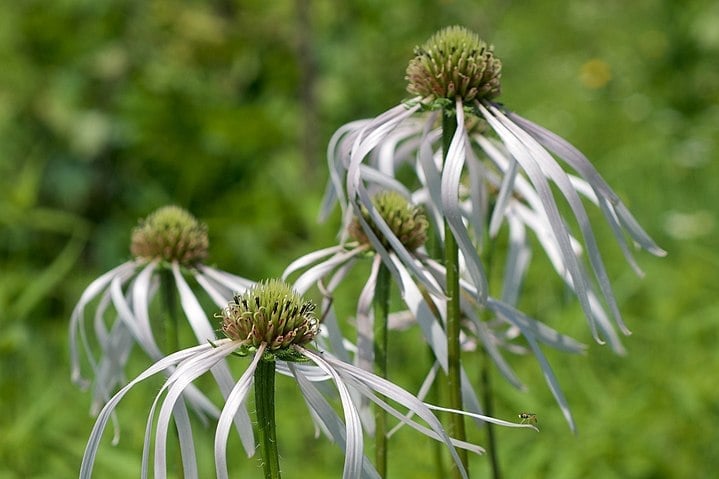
[354,449]
[451,173]
[401,396]
[305,281]
[534,171]
[329,421]
[580,163]
[310,258]
[77,319]
[234,402]
[231,281]
[221,372]
[184,375]
[93,442]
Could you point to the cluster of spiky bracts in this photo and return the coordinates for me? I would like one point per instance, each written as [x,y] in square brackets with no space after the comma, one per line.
[170,234]
[407,221]
[454,63]
[270,313]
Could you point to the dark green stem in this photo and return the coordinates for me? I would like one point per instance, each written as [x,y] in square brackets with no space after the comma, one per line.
[381,313]
[265,406]
[169,299]
[451,263]
[170,329]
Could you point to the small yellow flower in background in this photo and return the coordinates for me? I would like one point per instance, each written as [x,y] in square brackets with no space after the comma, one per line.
[595,74]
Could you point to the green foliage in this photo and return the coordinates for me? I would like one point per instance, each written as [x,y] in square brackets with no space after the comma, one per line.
[110,109]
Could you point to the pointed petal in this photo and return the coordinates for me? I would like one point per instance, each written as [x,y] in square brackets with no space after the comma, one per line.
[93,442]
[354,449]
[330,422]
[534,171]
[234,402]
[205,332]
[451,173]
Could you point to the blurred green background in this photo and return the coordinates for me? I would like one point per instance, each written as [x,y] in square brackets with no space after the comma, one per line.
[110,109]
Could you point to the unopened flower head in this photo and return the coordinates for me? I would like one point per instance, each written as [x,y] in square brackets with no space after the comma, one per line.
[170,234]
[271,313]
[453,63]
[407,221]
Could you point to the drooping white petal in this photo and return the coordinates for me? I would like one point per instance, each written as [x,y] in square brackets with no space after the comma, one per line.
[219,293]
[552,382]
[231,281]
[499,422]
[305,281]
[354,448]
[381,181]
[580,163]
[451,174]
[77,319]
[140,328]
[365,319]
[187,371]
[560,178]
[397,394]
[140,293]
[221,371]
[519,255]
[234,402]
[335,187]
[377,130]
[536,329]
[310,258]
[534,171]
[329,421]
[103,417]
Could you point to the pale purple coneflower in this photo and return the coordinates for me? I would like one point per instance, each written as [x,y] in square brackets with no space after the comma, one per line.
[499,168]
[167,246]
[274,326]
[421,295]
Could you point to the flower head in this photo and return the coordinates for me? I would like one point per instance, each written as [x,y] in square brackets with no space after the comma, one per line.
[271,313]
[191,363]
[454,62]
[172,242]
[170,234]
[407,221]
[508,174]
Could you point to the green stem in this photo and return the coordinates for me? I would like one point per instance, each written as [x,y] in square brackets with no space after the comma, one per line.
[169,299]
[265,406]
[170,331]
[451,263]
[381,313]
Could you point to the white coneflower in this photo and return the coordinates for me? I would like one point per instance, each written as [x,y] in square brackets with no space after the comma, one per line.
[274,325]
[508,161]
[422,282]
[166,246]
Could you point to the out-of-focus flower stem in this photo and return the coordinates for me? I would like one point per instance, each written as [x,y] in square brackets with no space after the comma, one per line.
[381,313]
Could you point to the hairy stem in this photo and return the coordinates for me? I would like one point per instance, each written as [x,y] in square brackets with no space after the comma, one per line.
[266,428]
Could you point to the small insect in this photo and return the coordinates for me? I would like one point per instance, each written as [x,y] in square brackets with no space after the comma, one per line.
[528,418]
